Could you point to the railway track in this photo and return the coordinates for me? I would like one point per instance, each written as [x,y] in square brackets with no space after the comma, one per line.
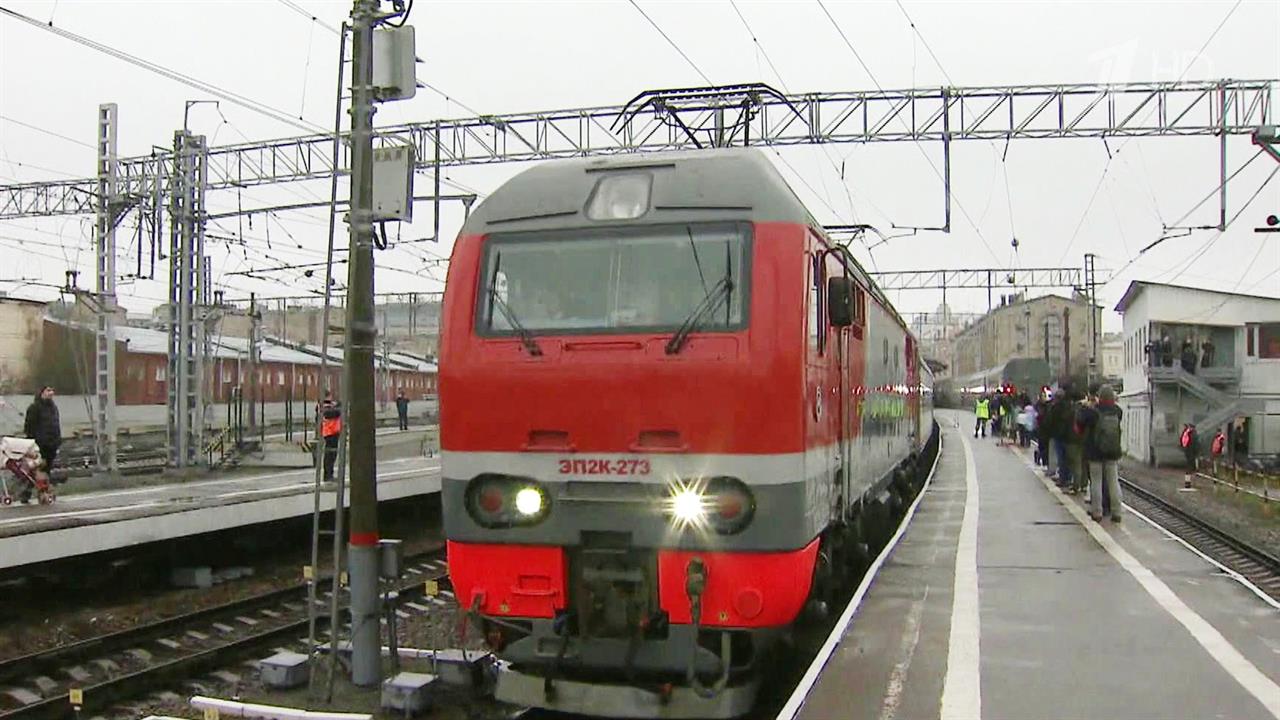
[1254,564]
[124,666]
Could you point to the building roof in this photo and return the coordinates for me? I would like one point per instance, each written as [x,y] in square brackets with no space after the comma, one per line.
[268,352]
[146,341]
[1137,286]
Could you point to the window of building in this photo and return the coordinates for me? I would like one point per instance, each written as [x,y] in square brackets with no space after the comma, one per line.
[1263,341]
[161,373]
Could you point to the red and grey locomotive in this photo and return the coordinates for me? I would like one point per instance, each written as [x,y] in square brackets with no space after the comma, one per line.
[673,414]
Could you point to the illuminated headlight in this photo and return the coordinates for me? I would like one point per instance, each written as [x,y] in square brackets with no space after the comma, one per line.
[687,507]
[528,501]
[724,504]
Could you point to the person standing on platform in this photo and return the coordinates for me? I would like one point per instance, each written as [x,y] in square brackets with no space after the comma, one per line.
[997,417]
[1044,453]
[43,425]
[1218,448]
[1189,440]
[1027,422]
[402,409]
[330,430]
[1208,352]
[1075,446]
[981,409]
[1062,418]
[1101,424]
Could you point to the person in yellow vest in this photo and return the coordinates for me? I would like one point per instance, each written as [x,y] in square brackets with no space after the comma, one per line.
[982,408]
[330,430]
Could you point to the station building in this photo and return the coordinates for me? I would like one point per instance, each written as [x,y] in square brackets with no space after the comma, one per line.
[1237,389]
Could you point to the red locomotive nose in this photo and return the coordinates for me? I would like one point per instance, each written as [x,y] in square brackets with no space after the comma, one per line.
[491,500]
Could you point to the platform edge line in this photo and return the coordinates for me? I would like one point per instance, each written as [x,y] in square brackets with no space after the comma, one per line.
[1231,660]
[796,701]
[962,684]
[1228,571]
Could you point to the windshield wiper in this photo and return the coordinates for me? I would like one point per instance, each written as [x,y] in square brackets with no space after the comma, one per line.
[722,290]
[526,337]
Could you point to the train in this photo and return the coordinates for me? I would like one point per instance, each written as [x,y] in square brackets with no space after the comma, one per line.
[1016,375]
[676,417]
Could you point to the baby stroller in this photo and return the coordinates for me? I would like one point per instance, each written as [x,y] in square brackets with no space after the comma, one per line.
[21,476]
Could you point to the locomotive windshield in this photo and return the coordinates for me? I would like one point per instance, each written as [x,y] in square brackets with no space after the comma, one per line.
[614,280]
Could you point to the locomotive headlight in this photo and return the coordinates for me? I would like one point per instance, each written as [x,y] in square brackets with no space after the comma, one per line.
[687,507]
[722,504]
[528,501]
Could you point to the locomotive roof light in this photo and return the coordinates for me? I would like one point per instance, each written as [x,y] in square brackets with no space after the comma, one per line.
[620,197]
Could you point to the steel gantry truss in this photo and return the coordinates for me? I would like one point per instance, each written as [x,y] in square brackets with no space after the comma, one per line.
[980,278]
[752,114]
[653,121]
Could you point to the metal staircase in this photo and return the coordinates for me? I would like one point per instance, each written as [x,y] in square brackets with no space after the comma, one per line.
[1225,405]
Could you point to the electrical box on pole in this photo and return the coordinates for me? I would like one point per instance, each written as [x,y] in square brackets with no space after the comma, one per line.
[393,183]
[394,63]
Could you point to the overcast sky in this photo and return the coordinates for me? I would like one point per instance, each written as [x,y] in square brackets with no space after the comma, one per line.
[494,57]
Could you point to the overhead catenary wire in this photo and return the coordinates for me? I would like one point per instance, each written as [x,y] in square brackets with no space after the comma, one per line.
[1116,275]
[919,146]
[46,131]
[672,43]
[1111,155]
[925,42]
[229,96]
[1218,235]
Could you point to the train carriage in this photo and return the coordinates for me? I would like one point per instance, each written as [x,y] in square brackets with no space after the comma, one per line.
[673,416]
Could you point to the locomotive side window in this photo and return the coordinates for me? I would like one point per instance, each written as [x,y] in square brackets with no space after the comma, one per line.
[652,278]
[817,305]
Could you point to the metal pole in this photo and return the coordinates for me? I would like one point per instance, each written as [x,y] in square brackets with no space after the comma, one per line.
[105,425]
[255,319]
[435,220]
[946,161]
[358,354]
[1222,158]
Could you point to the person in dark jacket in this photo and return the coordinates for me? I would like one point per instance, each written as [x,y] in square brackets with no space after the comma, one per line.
[1101,423]
[43,425]
[1188,356]
[1061,418]
[402,409]
[1044,452]
[1074,442]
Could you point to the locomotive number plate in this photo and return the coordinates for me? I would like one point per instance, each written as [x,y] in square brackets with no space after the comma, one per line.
[603,466]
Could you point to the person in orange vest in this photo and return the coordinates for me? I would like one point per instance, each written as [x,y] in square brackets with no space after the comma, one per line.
[1189,440]
[1217,448]
[330,430]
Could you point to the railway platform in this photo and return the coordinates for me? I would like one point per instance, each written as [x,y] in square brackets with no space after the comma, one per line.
[1002,599]
[91,522]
